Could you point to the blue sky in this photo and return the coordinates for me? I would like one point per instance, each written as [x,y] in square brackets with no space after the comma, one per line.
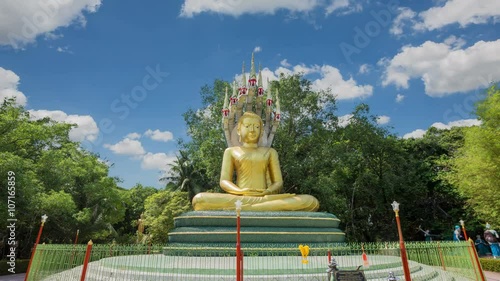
[125,71]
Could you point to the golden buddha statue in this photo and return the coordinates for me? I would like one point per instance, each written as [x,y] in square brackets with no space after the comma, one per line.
[249,154]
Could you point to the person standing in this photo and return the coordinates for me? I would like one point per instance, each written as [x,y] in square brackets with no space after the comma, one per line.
[481,246]
[457,233]
[491,236]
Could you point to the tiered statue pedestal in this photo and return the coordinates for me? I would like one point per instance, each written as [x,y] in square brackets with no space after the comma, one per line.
[203,227]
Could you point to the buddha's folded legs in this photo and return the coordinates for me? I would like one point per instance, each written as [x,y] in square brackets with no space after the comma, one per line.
[280,202]
[306,203]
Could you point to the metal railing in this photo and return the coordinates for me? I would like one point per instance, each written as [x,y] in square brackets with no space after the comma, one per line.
[437,260]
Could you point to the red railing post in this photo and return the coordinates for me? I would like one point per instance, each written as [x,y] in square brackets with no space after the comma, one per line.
[238,248]
[475,260]
[76,238]
[239,255]
[462,223]
[404,258]
[74,249]
[86,261]
[441,256]
[44,218]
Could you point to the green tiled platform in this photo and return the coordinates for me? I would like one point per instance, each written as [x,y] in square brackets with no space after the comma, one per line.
[256,227]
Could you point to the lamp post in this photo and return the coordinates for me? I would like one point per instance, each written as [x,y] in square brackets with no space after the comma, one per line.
[239,269]
[462,223]
[404,259]
[44,219]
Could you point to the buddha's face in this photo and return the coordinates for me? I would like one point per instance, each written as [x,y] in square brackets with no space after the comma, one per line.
[249,130]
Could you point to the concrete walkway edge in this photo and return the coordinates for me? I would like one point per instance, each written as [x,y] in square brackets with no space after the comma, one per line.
[490,276]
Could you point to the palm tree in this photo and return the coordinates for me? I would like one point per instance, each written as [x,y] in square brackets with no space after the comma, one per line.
[183,176]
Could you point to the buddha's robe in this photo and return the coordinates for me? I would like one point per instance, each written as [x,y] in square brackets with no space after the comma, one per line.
[258,183]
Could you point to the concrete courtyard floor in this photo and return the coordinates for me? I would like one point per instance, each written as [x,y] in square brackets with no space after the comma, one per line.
[490,276]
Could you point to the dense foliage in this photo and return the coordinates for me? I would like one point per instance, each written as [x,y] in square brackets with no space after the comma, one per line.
[161,209]
[355,168]
[476,167]
[53,176]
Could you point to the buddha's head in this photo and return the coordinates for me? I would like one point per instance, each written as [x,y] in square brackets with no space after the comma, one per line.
[249,127]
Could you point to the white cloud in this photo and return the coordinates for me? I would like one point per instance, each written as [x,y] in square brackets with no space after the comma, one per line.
[337,5]
[458,123]
[383,119]
[238,7]
[419,133]
[281,70]
[344,120]
[127,147]
[86,126]
[399,98]
[133,136]
[365,68]
[257,49]
[206,112]
[64,49]
[285,63]
[405,15]
[330,78]
[342,89]
[454,42]
[8,87]
[267,74]
[22,21]
[158,135]
[157,161]
[444,67]
[463,12]
[53,36]
[343,7]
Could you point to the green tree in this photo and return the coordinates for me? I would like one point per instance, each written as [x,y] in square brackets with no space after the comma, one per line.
[355,170]
[184,176]
[476,167]
[365,169]
[61,207]
[54,175]
[133,199]
[442,206]
[159,213]
[307,121]
[207,144]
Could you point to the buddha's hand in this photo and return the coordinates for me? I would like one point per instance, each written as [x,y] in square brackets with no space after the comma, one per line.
[254,192]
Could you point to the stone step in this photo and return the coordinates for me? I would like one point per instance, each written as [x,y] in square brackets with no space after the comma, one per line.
[261,219]
[210,234]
